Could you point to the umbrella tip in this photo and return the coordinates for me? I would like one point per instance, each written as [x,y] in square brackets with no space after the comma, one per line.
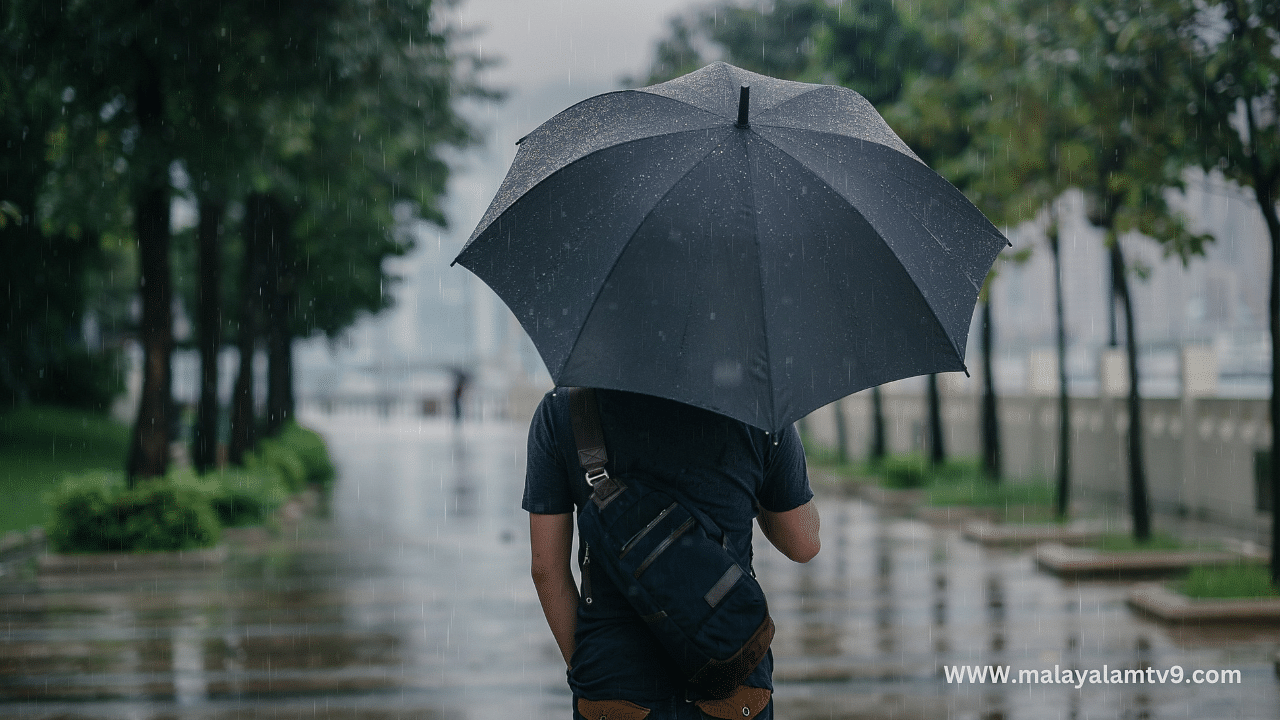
[744,100]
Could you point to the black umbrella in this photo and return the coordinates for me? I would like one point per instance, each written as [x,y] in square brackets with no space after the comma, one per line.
[758,252]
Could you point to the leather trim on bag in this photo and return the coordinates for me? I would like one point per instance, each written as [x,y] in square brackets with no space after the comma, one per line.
[720,678]
[745,702]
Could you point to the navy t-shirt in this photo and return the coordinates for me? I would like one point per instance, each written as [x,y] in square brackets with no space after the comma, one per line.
[725,466]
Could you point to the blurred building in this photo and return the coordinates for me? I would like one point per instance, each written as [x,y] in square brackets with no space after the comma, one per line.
[1218,299]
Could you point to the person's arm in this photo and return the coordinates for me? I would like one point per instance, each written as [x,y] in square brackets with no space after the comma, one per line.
[794,532]
[551,543]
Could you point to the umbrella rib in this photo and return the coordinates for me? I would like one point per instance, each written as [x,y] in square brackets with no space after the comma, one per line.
[765,111]
[764,311]
[631,236]
[927,303]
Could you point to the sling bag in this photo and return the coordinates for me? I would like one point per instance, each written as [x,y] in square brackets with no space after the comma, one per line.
[671,562]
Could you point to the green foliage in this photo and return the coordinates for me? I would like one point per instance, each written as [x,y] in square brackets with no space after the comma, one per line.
[244,496]
[904,472]
[95,512]
[297,456]
[275,457]
[974,491]
[311,451]
[1239,580]
[776,40]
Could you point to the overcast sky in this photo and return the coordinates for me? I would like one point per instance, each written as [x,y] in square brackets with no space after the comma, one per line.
[553,54]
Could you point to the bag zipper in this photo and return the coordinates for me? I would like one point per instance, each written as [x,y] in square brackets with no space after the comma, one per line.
[586,573]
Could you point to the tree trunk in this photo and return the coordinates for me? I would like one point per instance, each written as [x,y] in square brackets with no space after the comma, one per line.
[937,446]
[1139,506]
[1273,228]
[878,439]
[278,297]
[149,444]
[1265,178]
[243,434]
[990,411]
[204,450]
[1265,190]
[1064,408]
[842,431]
[1113,339]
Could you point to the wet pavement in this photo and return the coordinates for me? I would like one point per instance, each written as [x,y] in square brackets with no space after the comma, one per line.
[411,598]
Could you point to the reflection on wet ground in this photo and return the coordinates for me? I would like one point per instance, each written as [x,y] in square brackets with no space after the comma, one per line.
[412,598]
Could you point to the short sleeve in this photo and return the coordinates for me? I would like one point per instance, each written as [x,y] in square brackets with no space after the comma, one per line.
[786,477]
[546,482]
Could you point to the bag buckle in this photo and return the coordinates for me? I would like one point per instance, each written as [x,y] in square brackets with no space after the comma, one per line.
[597,475]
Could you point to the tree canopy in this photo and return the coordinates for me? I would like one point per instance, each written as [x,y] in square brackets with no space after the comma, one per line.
[337,109]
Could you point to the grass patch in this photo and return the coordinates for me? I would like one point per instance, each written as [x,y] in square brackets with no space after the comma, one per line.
[1019,502]
[1222,582]
[39,445]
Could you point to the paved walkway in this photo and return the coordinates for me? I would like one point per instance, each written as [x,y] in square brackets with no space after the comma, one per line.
[412,599]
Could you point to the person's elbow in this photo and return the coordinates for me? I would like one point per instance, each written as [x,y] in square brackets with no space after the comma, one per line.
[546,574]
[806,551]
[795,533]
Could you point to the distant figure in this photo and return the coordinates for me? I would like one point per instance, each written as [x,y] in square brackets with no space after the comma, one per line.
[460,381]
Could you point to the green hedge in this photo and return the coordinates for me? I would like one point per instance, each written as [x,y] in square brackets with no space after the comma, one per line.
[243,496]
[311,451]
[904,472]
[95,512]
[298,456]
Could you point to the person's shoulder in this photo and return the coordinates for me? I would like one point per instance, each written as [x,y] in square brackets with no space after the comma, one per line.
[553,407]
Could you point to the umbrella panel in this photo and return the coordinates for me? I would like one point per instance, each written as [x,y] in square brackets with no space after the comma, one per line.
[755,290]
[549,254]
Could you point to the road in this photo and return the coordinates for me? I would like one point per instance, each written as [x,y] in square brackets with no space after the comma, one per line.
[410,597]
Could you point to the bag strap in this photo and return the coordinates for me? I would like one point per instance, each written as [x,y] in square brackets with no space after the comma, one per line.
[588,434]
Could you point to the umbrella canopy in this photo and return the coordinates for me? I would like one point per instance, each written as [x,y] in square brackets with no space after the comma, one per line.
[759,253]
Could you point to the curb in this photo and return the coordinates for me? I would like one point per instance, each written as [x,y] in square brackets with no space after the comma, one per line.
[1018,535]
[894,500]
[1171,606]
[108,563]
[1077,562]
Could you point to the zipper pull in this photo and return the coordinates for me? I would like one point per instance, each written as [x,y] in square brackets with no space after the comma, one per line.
[586,573]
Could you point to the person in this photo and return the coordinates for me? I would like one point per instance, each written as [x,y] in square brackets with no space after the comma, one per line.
[733,471]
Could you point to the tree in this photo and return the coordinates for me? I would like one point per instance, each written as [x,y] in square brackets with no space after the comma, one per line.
[52,261]
[336,110]
[776,40]
[1025,155]
[1233,67]
[1119,60]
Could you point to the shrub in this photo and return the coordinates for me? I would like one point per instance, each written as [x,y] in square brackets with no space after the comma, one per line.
[981,492]
[244,496]
[903,472]
[94,512]
[274,456]
[311,451]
